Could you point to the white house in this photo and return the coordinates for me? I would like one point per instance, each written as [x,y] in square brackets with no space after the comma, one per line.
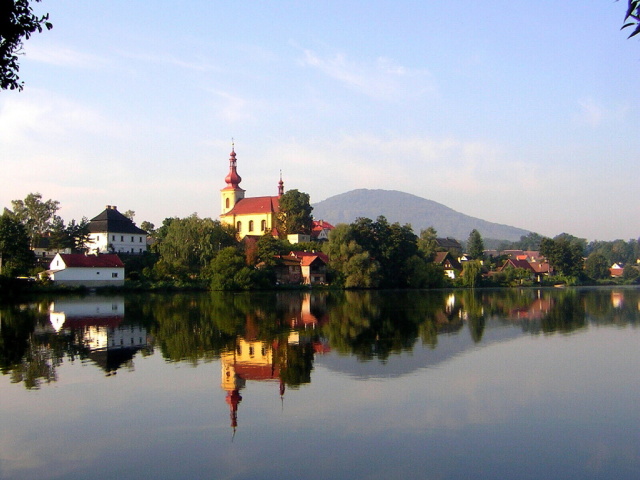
[112,232]
[86,270]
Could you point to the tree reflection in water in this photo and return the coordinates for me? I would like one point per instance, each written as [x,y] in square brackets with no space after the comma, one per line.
[276,336]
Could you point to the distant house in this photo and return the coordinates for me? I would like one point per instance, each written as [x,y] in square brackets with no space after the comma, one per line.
[77,269]
[617,270]
[308,268]
[43,249]
[313,266]
[320,230]
[112,232]
[450,244]
[449,263]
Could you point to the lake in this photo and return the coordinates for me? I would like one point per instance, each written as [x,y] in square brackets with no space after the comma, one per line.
[525,384]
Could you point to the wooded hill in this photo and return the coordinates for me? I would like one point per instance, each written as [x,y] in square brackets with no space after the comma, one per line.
[407,208]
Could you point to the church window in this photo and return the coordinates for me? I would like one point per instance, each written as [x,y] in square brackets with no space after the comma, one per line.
[226,202]
[251,225]
[263,225]
[239,226]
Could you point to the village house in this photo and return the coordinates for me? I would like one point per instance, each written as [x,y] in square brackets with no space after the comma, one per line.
[77,269]
[449,263]
[112,232]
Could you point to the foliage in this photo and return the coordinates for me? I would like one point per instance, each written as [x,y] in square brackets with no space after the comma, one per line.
[189,244]
[564,253]
[475,245]
[596,266]
[17,22]
[427,243]
[16,258]
[230,272]
[632,17]
[630,273]
[36,215]
[295,213]
[472,273]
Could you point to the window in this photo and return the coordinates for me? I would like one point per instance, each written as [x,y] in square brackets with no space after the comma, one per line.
[122,238]
[251,225]
[263,225]
[113,238]
[114,275]
[131,239]
[97,238]
[226,203]
[140,239]
[239,226]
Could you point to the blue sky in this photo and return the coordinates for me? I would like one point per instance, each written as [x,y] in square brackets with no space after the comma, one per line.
[522,113]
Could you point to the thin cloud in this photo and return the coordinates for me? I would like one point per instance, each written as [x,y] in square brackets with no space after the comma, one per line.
[62,56]
[380,79]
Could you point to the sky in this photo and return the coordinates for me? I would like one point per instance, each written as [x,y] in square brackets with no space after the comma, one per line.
[520,113]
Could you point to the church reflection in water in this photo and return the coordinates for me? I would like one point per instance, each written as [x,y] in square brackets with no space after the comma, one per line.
[286,359]
[95,326]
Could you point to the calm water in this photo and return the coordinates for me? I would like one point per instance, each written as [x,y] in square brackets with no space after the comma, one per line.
[435,385]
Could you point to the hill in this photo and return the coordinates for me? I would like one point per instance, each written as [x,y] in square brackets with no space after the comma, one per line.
[406,208]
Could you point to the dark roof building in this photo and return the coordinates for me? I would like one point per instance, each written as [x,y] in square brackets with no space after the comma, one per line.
[112,232]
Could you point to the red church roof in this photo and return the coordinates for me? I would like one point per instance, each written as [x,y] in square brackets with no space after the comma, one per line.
[255,205]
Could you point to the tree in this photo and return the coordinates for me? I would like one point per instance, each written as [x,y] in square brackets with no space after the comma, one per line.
[230,272]
[475,245]
[35,215]
[17,22]
[130,214]
[596,266]
[295,213]
[472,273]
[564,253]
[427,243]
[16,258]
[189,244]
[632,17]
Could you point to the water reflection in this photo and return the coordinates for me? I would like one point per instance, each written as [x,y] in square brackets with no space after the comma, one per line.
[277,336]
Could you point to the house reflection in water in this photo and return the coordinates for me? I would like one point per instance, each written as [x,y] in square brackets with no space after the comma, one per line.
[96,326]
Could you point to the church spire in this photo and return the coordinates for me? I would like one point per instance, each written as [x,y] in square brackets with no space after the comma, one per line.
[280,186]
[233,179]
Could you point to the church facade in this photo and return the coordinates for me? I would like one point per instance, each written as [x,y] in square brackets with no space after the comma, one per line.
[249,215]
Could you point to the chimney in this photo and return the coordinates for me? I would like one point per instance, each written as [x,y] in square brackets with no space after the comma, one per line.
[108,207]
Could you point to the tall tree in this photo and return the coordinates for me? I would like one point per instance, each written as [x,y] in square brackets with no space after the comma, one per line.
[295,213]
[36,215]
[190,244]
[475,245]
[17,23]
[565,255]
[427,243]
[16,258]
[596,266]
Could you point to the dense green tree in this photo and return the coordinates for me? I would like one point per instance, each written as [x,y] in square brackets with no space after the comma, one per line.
[630,273]
[17,23]
[295,213]
[427,243]
[564,254]
[189,244]
[230,272]
[475,245]
[36,215]
[596,266]
[16,258]
[472,273]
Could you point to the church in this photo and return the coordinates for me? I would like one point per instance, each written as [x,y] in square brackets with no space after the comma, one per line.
[249,215]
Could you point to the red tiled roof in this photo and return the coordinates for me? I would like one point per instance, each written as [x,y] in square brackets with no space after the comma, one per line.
[79,260]
[307,258]
[518,264]
[321,225]
[255,205]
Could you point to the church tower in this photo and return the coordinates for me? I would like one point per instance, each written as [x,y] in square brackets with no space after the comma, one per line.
[232,193]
